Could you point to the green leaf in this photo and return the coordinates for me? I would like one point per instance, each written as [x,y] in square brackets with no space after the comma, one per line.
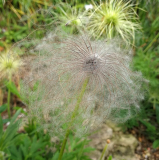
[7,136]
[56,155]
[22,111]
[88,149]
[156,144]
[35,87]
[15,115]
[36,144]
[149,126]
[6,120]
[13,88]
[157,112]
[15,153]
[3,108]
[1,125]
[110,158]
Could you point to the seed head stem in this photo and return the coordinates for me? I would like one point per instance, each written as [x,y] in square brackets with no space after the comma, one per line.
[137,3]
[148,47]
[8,98]
[103,152]
[79,99]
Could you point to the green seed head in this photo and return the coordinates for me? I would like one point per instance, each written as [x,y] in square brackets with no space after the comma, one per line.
[110,19]
[9,65]
[114,18]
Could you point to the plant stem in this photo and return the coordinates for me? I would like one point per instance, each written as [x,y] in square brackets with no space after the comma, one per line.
[8,99]
[64,144]
[103,152]
[137,2]
[147,48]
[79,99]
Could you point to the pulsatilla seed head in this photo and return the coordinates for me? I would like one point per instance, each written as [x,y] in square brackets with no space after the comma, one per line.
[61,68]
[9,65]
[114,18]
[91,64]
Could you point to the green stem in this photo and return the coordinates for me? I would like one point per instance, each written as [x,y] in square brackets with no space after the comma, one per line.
[64,144]
[136,7]
[79,99]
[103,152]
[8,99]
[147,48]
[137,2]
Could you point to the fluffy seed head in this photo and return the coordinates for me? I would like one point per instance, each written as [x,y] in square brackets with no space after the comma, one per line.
[57,74]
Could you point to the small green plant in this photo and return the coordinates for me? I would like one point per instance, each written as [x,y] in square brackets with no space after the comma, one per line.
[75,149]
[15,33]
[9,66]
[8,136]
[28,148]
[37,145]
[31,144]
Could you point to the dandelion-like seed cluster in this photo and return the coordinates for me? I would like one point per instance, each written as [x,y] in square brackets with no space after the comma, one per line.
[9,65]
[57,75]
[69,15]
[113,18]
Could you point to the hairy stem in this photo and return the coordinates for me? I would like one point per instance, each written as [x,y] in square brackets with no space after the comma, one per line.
[137,3]
[79,99]
[8,99]
[148,47]
[103,152]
